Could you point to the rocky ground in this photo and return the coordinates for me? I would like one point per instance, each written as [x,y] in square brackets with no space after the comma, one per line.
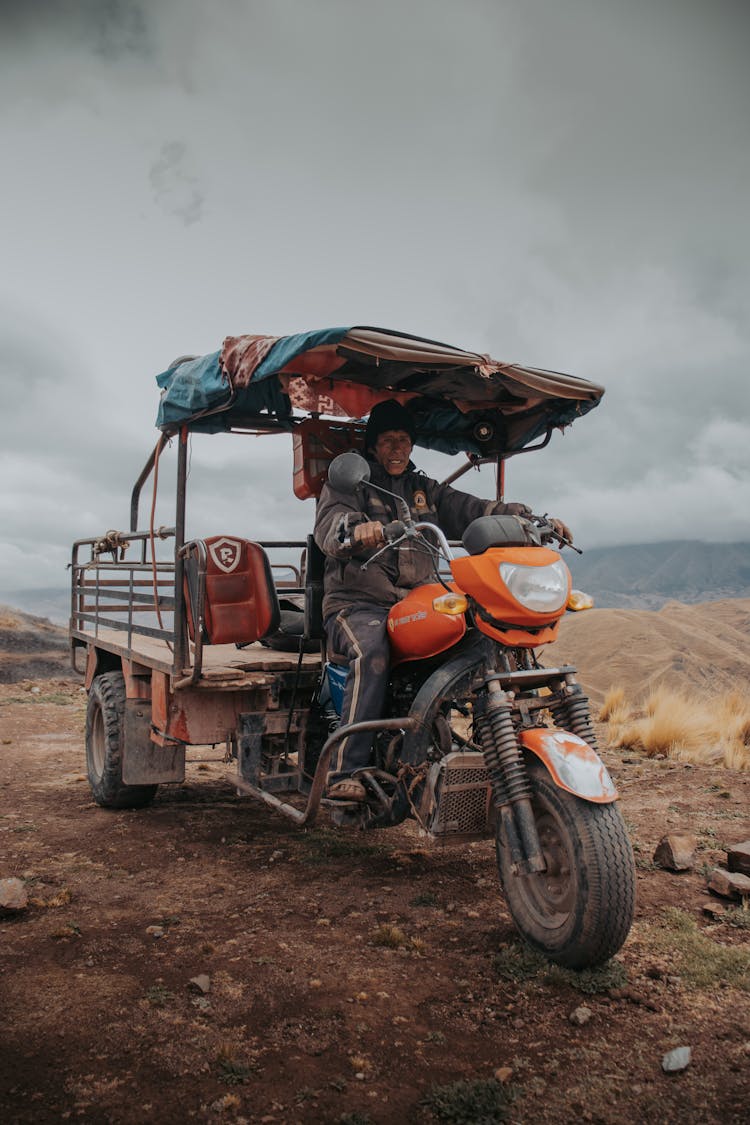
[204,959]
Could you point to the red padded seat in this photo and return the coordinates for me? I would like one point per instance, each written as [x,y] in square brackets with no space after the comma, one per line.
[241,604]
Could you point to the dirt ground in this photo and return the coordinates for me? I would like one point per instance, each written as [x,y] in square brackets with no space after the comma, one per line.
[346,977]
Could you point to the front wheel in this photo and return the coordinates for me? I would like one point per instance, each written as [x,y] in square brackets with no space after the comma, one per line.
[579,911]
[105,736]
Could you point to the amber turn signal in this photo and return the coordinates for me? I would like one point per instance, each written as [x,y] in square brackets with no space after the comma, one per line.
[578,600]
[452,604]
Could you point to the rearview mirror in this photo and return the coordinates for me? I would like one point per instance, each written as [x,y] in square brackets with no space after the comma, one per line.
[347,472]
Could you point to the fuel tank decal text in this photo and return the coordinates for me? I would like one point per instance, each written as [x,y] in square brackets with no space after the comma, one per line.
[393,622]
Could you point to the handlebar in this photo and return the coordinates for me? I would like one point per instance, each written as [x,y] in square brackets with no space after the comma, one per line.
[394,530]
[397,530]
[391,532]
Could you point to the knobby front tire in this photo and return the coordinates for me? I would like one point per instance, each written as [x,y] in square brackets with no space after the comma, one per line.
[580,910]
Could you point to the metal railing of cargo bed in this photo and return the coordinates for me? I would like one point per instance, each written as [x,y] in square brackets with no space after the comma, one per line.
[110,593]
[136,596]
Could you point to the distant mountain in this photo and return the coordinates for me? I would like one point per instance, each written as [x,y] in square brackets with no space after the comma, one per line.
[638,576]
[52,602]
[646,575]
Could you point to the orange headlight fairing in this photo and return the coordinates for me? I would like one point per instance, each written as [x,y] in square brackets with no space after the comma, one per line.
[479,576]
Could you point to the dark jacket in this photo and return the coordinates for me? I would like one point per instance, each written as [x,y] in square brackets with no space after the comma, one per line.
[396,571]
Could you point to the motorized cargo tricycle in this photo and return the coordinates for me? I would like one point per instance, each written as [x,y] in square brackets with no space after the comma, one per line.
[222,642]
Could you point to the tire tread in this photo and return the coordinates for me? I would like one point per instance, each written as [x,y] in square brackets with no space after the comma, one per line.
[107,694]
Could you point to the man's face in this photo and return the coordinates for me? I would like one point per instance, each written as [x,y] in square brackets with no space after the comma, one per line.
[392,450]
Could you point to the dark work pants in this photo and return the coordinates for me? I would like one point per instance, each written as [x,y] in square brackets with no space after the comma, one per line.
[359,635]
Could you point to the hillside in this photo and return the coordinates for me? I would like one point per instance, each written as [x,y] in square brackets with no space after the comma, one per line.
[646,575]
[31,648]
[703,647]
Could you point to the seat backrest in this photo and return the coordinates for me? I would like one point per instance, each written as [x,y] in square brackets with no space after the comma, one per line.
[314,568]
[240,602]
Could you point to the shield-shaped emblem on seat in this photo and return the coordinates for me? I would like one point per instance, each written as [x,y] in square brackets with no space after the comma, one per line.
[226,553]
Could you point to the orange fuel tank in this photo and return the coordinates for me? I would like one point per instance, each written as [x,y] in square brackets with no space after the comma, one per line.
[417,631]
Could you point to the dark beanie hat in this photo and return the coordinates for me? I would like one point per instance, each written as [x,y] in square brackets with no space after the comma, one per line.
[388,415]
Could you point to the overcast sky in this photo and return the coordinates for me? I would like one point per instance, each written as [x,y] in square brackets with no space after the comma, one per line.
[563,184]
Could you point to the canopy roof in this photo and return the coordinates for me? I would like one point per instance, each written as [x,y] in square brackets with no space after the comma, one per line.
[461,400]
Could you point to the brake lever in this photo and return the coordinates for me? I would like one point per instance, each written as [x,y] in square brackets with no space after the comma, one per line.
[383,549]
[561,539]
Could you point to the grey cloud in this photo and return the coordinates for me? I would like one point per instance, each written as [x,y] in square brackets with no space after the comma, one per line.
[175,189]
[109,28]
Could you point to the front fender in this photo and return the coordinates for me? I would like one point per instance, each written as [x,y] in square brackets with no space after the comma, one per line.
[571,763]
[456,673]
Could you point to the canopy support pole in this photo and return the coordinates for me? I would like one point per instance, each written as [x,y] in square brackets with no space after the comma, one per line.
[181,651]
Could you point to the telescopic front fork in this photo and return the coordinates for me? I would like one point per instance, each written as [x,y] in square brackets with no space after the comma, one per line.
[510,782]
[571,711]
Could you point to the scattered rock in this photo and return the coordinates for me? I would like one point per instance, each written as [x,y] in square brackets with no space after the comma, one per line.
[738,857]
[155,932]
[676,1060]
[201,983]
[278,854]
[13,896]
[728,884]
[676,852]
[503,1074]
[580,1016]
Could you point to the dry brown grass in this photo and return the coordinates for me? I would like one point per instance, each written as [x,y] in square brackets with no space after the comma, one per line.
[614,707]
[688,728]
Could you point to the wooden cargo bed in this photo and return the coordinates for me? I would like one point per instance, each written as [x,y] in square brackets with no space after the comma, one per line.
[225,663]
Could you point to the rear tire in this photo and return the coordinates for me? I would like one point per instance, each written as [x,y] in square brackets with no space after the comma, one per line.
[580,910]
[105,734]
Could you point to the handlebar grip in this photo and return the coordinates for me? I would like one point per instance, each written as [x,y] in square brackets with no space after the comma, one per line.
[393,530]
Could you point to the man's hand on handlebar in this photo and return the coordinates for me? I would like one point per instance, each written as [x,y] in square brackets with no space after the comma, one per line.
[369,534]
[562,531]
[559,529]
[551,528]
[515,509]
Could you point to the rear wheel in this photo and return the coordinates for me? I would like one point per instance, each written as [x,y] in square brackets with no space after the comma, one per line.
[105,734]
[579,911]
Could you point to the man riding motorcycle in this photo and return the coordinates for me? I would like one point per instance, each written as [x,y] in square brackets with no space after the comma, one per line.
[349,531]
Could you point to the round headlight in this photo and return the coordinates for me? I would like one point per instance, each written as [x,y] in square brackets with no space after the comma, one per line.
[543,589]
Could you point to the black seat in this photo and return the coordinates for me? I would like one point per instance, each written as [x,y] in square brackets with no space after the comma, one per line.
[314,569]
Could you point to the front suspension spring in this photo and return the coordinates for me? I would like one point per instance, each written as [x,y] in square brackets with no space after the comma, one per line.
[502,755]
[573,714]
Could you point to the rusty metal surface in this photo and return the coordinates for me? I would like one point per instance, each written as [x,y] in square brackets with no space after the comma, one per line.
[457,796]
[143,763]
[308,815]
[572,763]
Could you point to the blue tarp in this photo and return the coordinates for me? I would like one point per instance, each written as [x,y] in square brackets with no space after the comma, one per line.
[197,385]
